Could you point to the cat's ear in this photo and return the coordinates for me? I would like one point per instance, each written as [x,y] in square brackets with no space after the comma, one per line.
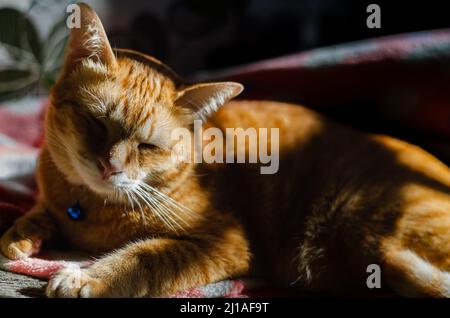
[206,98]
[88,41]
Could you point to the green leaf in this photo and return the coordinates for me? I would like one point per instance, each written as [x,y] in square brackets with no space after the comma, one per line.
[19,34]
[57,29]
[15,82]
[53,52]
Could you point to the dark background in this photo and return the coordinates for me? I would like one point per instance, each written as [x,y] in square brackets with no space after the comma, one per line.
[191,35]
[199,35]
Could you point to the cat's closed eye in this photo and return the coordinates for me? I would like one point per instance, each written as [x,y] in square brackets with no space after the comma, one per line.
[98,123]
[147,146]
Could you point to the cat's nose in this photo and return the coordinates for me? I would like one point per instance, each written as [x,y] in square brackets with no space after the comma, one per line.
[108,168]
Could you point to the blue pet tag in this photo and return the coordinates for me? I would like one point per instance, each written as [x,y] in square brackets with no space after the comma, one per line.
[75,211]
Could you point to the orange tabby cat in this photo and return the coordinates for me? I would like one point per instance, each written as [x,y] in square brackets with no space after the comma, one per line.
[340,201]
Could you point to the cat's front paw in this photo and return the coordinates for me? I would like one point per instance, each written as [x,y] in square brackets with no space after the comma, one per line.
[74,282]
[14,246]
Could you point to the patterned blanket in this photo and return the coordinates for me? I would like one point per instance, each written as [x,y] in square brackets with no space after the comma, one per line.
[396,85]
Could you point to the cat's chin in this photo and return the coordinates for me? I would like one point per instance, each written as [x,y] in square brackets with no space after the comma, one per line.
[112,189]
[111,192]
[106,188]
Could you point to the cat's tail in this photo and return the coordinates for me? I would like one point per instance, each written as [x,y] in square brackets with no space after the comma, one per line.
[413,276]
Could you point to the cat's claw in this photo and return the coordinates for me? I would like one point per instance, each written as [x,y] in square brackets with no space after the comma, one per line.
[74,282]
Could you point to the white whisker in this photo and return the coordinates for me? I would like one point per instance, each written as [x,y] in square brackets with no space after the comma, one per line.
[162,208]
[167,199]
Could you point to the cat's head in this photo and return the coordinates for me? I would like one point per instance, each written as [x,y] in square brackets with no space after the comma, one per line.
[112,112]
